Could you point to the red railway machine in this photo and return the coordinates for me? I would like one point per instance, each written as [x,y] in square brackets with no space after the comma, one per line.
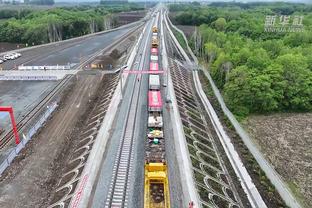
[154,51]
[9,109]
[154,67]
[154,101]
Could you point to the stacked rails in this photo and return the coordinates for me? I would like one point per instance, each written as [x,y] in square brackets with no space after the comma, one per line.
[155,42]
[155,30]
[156,187]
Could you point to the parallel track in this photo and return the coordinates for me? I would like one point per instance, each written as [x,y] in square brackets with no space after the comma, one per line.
[63,47]
[5,140]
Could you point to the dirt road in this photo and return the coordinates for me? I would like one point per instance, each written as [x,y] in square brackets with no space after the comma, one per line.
[29,180]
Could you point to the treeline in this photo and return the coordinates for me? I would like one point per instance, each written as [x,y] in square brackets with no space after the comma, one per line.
[40,2]
[257,71]
[56,24]
[17,14]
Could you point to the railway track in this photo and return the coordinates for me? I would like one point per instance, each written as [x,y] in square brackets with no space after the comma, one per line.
[118,192]
[5,140]
[213,182]
[26,120]
[61,47]
[200,148]
[71,174]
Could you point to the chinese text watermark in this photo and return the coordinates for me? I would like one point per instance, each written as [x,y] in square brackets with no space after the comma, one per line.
[283,23]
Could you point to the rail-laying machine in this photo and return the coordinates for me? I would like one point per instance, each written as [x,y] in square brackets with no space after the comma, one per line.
[156,185]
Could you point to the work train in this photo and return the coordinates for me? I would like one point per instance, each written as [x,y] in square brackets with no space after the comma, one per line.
[156,187]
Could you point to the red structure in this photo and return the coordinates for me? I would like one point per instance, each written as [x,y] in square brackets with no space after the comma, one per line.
[154,101]
[154,66]
[9,109]
[154,51]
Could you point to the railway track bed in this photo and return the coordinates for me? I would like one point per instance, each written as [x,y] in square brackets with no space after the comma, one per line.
[71,173]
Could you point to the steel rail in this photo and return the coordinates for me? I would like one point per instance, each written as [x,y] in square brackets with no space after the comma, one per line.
[23,122]
[118,190]
[34,112]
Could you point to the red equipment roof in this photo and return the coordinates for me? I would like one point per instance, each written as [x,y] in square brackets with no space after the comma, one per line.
[154,100]
[154,50]
[153,66]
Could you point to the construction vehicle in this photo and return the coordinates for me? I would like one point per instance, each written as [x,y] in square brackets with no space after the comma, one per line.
[155,30]
[155,133]
[156,187]
[154,42]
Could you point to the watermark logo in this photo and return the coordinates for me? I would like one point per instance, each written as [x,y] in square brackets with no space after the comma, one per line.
[283,23]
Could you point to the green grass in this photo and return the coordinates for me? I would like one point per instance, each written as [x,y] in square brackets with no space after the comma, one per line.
[295,190]
[180,38]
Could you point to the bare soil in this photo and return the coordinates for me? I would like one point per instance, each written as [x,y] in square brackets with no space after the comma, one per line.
[286,141]
[31,179]
[128,17]
[116,57]
[4,46]
[188,30]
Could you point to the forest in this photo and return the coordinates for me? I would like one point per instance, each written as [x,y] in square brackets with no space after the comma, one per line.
[34,27]
[257,71]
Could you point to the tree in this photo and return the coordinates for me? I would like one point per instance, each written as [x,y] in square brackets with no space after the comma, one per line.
[259,59]
[237,92]
[220,24]
[42,2]
[262,95]
[299,39]
[298,91]
[241,57]
[278,83]
[256,71]
[273,47]
[195,3]
[211,50]
[220,69]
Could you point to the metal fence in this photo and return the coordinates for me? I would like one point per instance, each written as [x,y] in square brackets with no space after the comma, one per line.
[27,77]
[56,67]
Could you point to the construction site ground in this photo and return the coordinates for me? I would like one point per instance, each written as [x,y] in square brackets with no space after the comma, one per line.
[286,141]
[22,96]
[31,176]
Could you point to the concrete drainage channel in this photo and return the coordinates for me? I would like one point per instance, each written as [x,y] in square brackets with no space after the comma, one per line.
[71,174]
[213,182]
